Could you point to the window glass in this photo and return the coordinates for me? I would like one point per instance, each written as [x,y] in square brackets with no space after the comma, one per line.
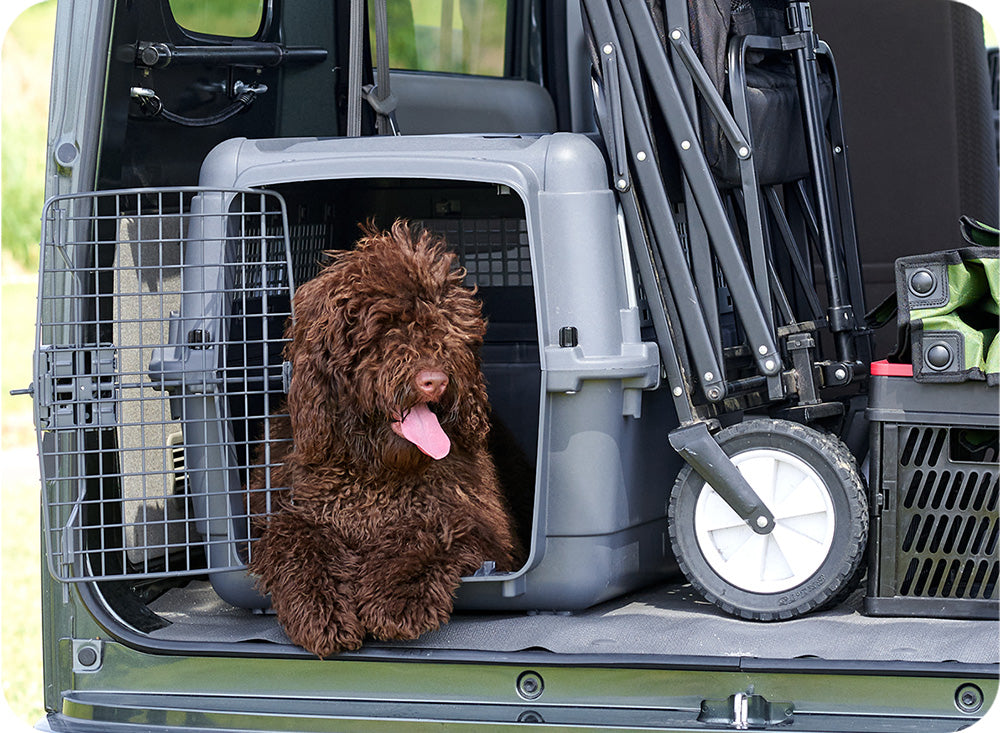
[458,36]
[231,18]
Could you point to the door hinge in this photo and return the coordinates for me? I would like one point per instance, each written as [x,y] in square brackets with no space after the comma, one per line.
[743,711]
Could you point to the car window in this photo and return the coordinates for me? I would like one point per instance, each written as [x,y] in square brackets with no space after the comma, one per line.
[230,18]
[456,36]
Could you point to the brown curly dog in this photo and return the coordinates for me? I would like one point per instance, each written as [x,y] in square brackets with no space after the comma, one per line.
[392,496]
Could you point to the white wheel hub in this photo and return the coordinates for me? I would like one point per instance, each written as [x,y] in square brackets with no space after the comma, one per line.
[800,541]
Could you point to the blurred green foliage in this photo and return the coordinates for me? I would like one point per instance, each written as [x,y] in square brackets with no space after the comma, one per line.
[24,109]
[233,18]
[453,36]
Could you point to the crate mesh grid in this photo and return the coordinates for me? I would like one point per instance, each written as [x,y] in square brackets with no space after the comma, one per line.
[493,251]
[160,329]
[947,519]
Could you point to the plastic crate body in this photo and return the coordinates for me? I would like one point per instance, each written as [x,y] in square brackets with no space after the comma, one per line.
[934,483]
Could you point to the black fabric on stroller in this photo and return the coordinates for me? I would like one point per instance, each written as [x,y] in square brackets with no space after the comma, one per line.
[772,90]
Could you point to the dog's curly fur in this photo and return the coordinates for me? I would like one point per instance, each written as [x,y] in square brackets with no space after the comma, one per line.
[372,536]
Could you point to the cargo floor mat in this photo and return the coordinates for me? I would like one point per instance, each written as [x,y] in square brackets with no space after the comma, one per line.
[664,620]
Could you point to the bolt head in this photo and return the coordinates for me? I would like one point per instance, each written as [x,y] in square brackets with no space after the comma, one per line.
[744,152]
[762,522]
[709,376]
[530,685]
[676,35]
[762,350]
[608,48]
[769,364]
[685,144]
[840,374]
[678,391]
[622,184]
[641,155]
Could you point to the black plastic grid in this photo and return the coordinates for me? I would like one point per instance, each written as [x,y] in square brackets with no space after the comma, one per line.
[937,536]
[494,251]
[947,517]
[158,372]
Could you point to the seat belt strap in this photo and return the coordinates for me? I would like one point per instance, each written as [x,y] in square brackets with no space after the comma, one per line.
[355,50]
[378,96]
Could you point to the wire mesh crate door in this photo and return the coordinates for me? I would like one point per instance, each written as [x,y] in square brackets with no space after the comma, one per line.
[237,299]
[125,390]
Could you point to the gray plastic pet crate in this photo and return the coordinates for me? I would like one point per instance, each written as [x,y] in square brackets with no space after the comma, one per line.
[188,294]
[935,482]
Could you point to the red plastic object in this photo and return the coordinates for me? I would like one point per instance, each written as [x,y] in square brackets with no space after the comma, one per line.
[885,369]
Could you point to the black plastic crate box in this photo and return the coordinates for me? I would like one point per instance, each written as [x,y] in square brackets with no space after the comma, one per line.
[934,483]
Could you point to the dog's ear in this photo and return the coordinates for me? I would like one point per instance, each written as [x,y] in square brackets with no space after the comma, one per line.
[310,406]
[315,342]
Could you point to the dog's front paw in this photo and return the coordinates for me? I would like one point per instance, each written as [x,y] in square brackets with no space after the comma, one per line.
[323,629]
[407,610]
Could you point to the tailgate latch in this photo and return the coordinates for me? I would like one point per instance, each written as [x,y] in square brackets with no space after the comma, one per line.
[743,711]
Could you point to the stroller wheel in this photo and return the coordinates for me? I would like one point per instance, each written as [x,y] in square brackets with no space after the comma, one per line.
[810,482]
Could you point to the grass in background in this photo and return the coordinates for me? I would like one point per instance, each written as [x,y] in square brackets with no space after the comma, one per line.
[27,59]
[27,63]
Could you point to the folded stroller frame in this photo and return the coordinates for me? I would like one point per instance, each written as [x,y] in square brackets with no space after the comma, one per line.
[631,59]
[689,244]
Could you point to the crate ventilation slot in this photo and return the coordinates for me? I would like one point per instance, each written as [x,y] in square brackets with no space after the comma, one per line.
[947,515]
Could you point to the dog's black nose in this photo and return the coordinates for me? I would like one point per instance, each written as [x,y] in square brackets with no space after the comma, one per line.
[432,383]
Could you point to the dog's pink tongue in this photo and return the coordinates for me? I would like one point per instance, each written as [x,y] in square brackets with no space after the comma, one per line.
[421,427]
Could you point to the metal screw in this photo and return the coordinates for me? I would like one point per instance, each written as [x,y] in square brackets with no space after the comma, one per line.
[769,364]
[838,150]
[530,685]
[622,184]
[713,393]
[840,374]
[744,152]
[969,698]
[640,155]
[709,376]
[762,350]
[608,48]
[678,391]
[762,522]
[685,144]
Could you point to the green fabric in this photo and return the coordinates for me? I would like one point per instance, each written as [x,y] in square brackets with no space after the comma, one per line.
[973,309]
[979,233]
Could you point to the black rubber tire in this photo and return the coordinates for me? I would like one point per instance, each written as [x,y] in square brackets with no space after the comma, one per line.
[837,470]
